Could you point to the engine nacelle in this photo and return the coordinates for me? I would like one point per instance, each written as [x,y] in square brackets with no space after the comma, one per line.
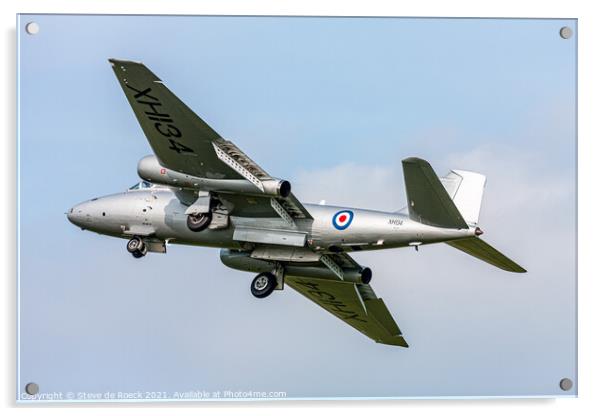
[151,170]
[239,260]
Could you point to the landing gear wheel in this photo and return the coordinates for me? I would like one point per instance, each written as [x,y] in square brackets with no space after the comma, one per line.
[198,222]
[137,247]
[263,284]
[135,244]
[137,254]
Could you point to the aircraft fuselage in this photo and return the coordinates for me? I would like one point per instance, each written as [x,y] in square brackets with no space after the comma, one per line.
[158,212]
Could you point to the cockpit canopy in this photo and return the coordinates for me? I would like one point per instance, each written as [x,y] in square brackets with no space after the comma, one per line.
[141,185]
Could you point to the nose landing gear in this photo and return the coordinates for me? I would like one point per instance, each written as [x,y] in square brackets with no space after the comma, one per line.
[137,247]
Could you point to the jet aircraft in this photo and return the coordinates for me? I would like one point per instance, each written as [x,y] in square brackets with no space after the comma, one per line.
[201,189]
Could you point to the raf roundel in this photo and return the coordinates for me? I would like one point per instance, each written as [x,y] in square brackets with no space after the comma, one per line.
[342,219]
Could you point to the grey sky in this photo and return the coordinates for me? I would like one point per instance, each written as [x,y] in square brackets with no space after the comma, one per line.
[333,105]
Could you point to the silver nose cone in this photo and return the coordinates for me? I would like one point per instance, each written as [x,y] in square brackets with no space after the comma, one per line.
[70,215]
[79,215]
[74,215]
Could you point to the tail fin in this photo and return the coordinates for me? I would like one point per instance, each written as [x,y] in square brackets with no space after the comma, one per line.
[466,190]
[428,201]
[451,202]
[483,251]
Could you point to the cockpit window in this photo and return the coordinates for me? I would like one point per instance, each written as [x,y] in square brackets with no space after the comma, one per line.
[141,185]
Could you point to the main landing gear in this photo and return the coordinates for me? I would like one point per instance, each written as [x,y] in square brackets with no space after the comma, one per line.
[198,222]
[137,247]
[263,284]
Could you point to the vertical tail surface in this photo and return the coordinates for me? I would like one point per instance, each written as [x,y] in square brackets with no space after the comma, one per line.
[428,201]
[466,190]
[453,201]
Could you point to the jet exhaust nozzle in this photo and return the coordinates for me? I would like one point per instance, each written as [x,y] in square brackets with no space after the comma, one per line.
[366,275]
[284,188]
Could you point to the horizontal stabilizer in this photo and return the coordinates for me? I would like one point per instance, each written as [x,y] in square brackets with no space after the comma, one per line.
[428,201]
[483,251]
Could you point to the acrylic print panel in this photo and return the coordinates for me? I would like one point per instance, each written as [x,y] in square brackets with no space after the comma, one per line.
[331,105]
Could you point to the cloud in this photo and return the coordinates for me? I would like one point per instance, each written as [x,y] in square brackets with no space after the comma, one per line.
[355,185]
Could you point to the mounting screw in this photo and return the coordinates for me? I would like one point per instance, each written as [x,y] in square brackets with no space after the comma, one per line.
[566,32]
[32,28]
[566,384]
[32,389]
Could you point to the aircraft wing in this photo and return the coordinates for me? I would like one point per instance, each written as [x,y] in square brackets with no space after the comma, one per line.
[180,139]
[258,206]
[355,304]
[325,280]
[183,142]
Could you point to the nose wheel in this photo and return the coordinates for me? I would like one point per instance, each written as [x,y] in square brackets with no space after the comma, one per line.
[198,222]
[137,247]
[263,285]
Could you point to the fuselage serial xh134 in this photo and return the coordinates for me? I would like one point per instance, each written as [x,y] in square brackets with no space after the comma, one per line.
[200,189]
